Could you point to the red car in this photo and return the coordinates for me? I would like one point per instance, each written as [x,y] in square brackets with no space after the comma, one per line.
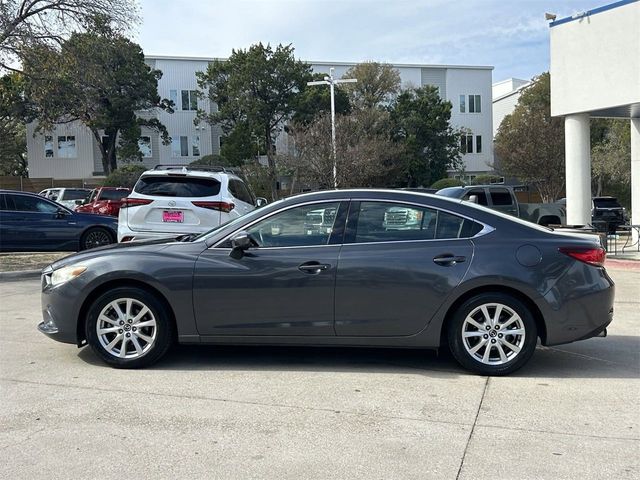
[104,201]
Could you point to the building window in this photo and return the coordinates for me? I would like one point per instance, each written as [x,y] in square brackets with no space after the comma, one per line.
[173,96]
[189,100]
[462,104]
[478,143]
[195,146]
[466,143]
[48,146]
[144,145]
[475,104]
[67,146]
[176,147]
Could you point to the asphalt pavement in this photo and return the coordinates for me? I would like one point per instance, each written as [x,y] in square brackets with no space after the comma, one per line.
[317,413]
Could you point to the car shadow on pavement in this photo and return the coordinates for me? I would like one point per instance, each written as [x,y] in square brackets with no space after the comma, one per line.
[613,357]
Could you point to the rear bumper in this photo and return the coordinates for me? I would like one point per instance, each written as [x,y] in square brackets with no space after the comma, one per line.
[579,306]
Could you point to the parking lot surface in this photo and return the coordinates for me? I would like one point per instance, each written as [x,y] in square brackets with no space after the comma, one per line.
[317,413]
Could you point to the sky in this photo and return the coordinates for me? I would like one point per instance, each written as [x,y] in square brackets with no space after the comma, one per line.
[510,35]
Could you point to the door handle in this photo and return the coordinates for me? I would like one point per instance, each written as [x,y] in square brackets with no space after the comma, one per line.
[448,260]
[313,267]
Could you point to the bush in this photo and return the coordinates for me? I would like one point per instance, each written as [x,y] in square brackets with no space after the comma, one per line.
[485,179]
[125,176]
[447,182]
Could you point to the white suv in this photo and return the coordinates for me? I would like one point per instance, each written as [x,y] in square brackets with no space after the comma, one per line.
[172,200]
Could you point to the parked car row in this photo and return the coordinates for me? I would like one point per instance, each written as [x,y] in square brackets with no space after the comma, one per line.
[166,201]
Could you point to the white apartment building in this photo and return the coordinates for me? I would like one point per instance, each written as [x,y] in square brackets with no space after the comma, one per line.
[505,98]
[70,151]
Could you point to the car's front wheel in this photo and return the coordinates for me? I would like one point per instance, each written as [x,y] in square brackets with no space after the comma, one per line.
[128,328]
[492,334]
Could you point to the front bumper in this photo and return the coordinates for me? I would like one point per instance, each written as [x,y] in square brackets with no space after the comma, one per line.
[60,310]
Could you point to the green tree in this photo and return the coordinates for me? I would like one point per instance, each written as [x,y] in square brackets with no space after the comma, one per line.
[315,101]
[25,23]
[100,79]
[256,90]
[377,85]
[431,145]
[364,151]
[611,160]
[125,176]
[14,113]
[447,182]
[529,144]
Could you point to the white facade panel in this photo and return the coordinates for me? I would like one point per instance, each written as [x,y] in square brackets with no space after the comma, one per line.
[473,82]
[595,60]
[64,162]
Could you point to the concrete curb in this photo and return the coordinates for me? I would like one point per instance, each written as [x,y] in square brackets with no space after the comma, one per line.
[20,274]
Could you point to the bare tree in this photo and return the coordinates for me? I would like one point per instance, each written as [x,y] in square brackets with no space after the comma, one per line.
[364,149]
[24,23]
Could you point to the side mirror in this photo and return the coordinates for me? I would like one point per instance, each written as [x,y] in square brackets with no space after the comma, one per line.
[240,243]
[60,213]
[473,198]
[261,202]
[79,202]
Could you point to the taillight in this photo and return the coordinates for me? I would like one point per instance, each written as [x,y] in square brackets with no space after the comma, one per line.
[592,256]
[134,202]
[221,206]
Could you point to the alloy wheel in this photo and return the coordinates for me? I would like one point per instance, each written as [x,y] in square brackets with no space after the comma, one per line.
[126,328]
[97,238]
[493,334]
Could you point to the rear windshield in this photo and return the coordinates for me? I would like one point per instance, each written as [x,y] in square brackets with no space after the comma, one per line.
[113,194]
[173,186]
[606,203]
[75,194]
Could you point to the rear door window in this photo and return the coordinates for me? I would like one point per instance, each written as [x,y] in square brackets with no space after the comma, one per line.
[240,191]
[174,186]
[393,222]
[501,197]
[71,194]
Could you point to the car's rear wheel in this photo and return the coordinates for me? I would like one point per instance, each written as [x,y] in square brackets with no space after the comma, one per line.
[129,328]
[492,334]
[96,237]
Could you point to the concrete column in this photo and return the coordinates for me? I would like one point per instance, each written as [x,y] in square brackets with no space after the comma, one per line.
[577,144]
[635,174]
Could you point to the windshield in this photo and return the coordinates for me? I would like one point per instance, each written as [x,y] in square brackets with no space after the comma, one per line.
[452,192]
[606,203]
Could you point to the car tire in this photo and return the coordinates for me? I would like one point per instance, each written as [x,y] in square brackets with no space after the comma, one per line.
[131,317]
[492,334]
[96,237]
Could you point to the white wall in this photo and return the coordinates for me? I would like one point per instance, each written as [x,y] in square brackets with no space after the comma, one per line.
[595,61]
[473,82]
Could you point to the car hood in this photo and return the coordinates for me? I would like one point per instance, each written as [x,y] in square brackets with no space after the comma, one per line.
[154,245]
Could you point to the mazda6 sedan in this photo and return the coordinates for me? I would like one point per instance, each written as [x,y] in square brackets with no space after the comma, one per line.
[393,269]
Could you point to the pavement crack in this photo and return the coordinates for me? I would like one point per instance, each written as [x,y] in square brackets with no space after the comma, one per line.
[473,427]
[551,432]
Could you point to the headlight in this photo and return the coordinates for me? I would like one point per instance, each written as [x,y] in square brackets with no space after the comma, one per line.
[65,274]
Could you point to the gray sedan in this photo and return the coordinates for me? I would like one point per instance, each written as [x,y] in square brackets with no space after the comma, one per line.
[391,268]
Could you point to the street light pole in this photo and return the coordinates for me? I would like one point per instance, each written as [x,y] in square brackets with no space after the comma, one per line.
[332,82]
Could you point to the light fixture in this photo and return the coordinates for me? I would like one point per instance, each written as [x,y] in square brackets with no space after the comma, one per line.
[550,16]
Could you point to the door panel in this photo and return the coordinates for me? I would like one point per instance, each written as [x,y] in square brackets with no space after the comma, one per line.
[393,289]
[266,292]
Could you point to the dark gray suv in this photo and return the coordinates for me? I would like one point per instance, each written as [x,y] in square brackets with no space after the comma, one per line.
[483,283]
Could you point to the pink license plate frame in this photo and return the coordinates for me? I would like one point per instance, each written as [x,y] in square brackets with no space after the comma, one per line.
[173,216]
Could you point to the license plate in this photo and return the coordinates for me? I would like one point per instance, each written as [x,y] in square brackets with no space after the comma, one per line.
[172,216]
